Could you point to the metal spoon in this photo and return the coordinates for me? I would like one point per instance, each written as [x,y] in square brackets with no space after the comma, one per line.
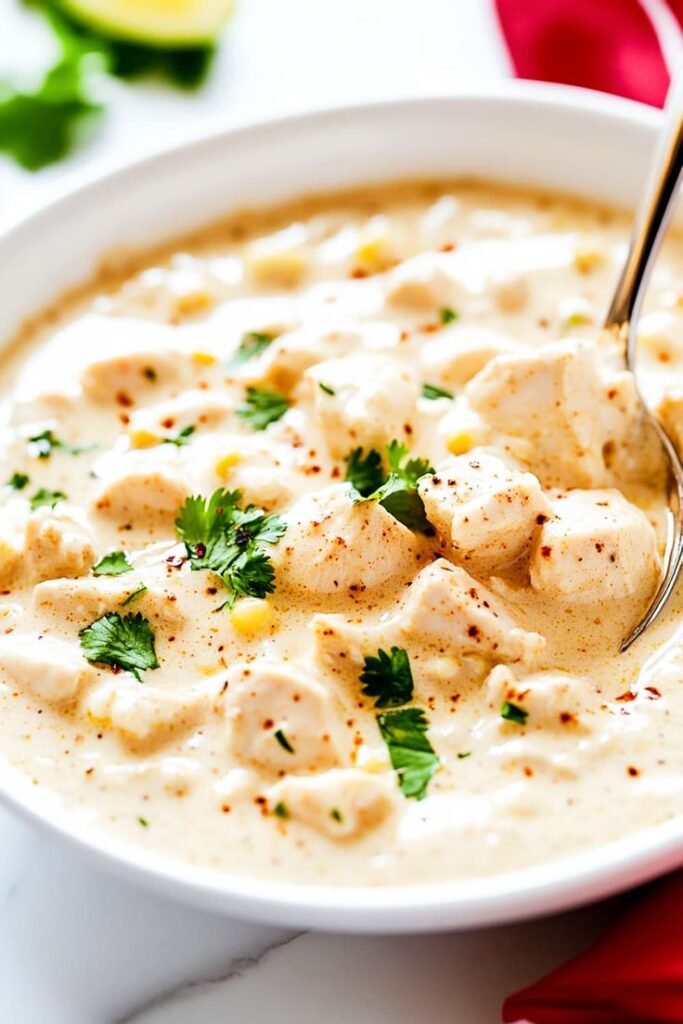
[650,225]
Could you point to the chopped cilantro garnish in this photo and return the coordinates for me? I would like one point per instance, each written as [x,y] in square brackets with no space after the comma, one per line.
[412,756]
[433,391]
[398,493]
[41,446]
[464,754]
[364,472]
[229,541]
[283,741]
[388,678]
[138,592]
[124,642]
[262,407]
[143,822]
[513,713]
[336,815]
[45,497]
[281,810]
[17,481]
[251,345]
[181,438]
[326,388]
[447,315]
[114,563]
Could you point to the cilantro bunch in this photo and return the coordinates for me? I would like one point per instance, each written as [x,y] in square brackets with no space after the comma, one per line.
[230,542]
[389,679]
[395,490]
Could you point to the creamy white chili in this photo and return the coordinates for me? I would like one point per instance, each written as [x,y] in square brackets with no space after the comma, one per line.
[319,535]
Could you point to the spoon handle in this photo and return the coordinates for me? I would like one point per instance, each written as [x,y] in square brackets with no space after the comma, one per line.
[654,214]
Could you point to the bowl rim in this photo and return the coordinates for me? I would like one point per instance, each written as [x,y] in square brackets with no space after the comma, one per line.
[465,903]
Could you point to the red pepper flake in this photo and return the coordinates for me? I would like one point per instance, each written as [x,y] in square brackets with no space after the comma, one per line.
[633,771]
[358,273]
[546,551]
[626,696]
[124,399]
[447,247]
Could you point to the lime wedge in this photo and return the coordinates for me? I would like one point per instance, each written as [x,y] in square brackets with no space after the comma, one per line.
[162,23]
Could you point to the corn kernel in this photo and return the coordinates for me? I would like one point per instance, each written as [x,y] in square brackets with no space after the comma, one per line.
[375,252]
[192,302]
[204,358]
[588,260]
[280,259]
[226,463]
[251,615]
[144,439]
[461,443]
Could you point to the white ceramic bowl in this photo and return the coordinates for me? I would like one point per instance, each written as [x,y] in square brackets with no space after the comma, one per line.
[552,137]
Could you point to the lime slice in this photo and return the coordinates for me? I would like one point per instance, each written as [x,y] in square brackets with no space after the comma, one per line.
[162,23]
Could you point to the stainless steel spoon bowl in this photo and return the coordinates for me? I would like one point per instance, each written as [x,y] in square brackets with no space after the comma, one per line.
[652,219]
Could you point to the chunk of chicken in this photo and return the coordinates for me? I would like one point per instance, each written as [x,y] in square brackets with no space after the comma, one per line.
[445,606]
[374,398]
[596,545]
[141,485]
[484,513]
[59,542]
[283,363]
[194,408]
[119,377]
[343,803]
[146,714]
[333,544]
[51,669]
[554,399]
[422,284]
[551,699]
[13,518]
[461,351]
[282,718]
[81,601]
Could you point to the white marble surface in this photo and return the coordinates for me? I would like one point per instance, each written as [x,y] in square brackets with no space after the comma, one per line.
[79,947]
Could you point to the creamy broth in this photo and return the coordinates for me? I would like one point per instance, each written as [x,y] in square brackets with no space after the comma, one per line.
[347,687]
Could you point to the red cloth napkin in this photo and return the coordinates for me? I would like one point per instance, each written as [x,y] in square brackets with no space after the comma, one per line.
[611,45]
[632,975]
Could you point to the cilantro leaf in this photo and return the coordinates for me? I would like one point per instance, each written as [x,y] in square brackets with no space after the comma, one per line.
[181,438]
[513,713]
[262,407]
[326,389]
[252,344]
[433,391]
[17,481]
[412,756]
[229,541]
[124,642]
[447,315]
[41,446]
[113,564]
[45,497]
[398,493]
[40,126]
[283,741]
[388,678]
[364,472]
[134,595]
